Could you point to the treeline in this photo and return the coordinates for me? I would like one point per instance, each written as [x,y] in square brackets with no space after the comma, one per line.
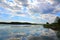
[18,23]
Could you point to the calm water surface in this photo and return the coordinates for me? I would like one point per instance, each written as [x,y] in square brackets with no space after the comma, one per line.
[26,32]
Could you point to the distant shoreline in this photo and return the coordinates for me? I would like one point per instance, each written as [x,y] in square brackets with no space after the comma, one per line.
[19,23]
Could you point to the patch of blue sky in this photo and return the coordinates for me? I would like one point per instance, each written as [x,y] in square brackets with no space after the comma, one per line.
[18,18]
[4,10]
[58,14]
[21,18]
[4,16]
[36,14]
[41,20]
[9,0]
[24,9]
[31,1]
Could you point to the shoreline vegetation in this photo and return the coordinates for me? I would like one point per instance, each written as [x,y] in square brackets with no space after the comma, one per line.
[19,23]
[55,26]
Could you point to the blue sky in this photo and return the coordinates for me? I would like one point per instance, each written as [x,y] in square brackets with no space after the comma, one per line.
[35,11]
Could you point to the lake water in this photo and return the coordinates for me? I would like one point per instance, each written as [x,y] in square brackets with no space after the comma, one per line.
[26,32]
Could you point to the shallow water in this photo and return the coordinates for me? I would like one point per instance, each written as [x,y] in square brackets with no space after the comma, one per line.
[26,32]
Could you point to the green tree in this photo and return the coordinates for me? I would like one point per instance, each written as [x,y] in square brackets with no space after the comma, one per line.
[59,21]
[47,23]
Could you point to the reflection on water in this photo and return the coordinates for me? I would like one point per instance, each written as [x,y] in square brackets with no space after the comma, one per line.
[26,32]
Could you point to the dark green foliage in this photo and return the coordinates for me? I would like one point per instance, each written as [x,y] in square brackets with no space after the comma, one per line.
[47,23]
[59,21]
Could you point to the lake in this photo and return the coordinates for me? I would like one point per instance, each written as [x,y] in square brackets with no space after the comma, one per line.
[26,32]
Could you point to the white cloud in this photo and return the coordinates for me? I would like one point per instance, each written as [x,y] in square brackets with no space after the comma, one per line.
[34,6]
[49,17]
[44,17]
[43,7]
